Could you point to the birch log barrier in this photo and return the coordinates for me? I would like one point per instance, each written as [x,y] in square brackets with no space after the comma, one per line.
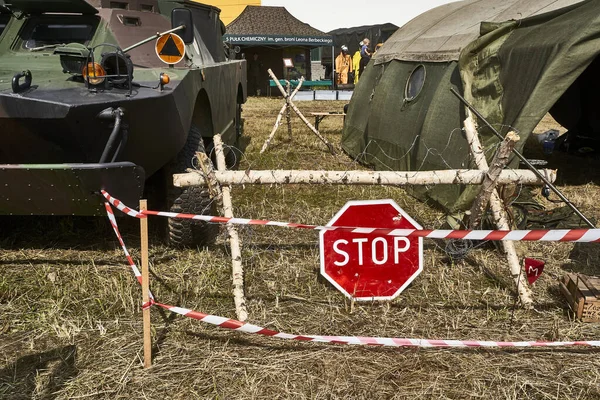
[490,182]
[399,178]
[299,114]
[277,123]
[285,107]
[498,213]
[236,255]
[214,188]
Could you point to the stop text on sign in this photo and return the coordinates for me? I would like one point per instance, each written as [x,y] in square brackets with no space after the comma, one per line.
[370,266]
[378,251]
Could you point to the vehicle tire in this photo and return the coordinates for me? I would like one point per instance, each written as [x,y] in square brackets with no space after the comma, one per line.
[239,122]
[189,200]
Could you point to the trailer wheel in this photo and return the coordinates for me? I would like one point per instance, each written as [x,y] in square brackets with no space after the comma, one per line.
[190,200]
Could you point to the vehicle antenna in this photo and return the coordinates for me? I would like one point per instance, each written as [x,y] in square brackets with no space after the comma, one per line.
[151,38]
[524,160]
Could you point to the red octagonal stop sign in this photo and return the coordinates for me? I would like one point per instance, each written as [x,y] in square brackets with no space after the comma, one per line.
[367,266]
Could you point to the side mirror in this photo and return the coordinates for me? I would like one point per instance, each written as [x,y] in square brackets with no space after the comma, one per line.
[183,16]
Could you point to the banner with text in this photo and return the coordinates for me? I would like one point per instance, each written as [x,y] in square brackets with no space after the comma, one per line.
[284,40]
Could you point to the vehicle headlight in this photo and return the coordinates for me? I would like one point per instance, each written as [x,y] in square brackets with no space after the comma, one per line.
[93,73]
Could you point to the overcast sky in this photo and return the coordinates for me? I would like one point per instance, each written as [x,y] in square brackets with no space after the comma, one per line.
[329,15]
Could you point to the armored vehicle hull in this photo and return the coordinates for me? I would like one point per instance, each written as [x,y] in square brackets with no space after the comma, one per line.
[88,102]
[121,123]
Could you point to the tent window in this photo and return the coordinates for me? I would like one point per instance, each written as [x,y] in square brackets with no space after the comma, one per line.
[414,83]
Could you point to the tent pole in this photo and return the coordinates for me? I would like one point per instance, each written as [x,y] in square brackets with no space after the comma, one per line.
[332,67]
[525,161]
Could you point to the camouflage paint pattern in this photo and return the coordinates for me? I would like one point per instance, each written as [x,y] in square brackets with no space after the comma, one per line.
[55,121]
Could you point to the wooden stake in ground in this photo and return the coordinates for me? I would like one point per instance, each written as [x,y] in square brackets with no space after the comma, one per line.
[145,286]
[490,181]
[290,103]
[236,255]
[498,213]
[280,116]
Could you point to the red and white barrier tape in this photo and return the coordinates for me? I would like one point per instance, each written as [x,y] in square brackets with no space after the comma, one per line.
[360,340]
[134,268]
[545,235]
[235,325]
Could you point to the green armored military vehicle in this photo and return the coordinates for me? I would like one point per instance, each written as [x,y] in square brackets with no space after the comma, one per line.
[114,95]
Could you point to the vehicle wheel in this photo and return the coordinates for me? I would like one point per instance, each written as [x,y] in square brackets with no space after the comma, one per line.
[190,200]
[239,122]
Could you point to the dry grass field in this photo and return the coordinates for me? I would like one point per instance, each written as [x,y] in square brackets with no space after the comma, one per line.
[71,321]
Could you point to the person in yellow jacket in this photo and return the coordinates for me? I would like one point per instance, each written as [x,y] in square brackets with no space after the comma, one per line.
[356,63]
[343,65]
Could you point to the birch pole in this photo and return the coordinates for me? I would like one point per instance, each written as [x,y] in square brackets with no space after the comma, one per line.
[236,255]
[272,134]
[498,213]
[280,116]
[288,113]
[214,189]
[490,181]
[299,114]
[390,178]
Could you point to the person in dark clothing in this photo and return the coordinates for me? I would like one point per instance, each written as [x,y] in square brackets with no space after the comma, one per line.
[365,55]
[254,71]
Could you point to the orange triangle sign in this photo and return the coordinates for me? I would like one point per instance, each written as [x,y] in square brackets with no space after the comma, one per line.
[170,48]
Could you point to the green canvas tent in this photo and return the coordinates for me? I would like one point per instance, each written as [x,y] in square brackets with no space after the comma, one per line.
[514,61]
